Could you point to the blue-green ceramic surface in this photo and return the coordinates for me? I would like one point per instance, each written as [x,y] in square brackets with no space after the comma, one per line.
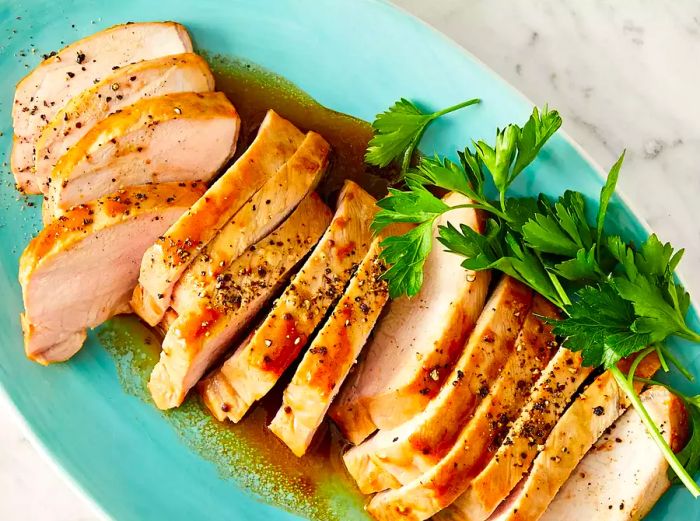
[353,56]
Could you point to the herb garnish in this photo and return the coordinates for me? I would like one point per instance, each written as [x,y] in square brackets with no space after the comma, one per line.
[618,299]
[398,131]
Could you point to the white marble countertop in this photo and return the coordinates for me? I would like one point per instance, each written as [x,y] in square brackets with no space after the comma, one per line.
[622,74]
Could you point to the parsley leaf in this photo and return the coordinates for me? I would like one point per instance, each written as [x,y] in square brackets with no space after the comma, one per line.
[415,206]
[398,131]
[600,326]
[406,255]
[605,195]
[583,267]
[647,282]
[538,129]
[560,229]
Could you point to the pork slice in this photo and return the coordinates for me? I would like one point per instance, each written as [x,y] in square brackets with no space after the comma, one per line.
[123,87]
[624,474]
[593,411]
[550,395]
[180,137]
[169,257]
[417,341]
[396,456]
[45,90]
[332,353]
[198,337]
[429,492]
[256,366]
[81,269]
[270,205]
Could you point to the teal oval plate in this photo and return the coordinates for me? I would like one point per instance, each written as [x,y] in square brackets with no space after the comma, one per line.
[355,57]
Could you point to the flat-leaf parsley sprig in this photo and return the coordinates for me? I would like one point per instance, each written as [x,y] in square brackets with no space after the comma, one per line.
[618,299]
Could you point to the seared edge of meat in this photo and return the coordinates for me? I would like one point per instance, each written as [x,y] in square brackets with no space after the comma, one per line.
[256,366]
[198,338]
[169,257]
[397,456]
[116,139]
[70,238]
[550,396]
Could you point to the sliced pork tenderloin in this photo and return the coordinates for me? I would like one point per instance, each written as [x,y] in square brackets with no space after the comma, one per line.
[81,269]
[268,207]
[181,137]
[198,337]
[332,353]
[417,341]
[588,417]
[63,75]
[123,87]
[256,366]
[169,257]
[439,485]
[396,456]
[624,474]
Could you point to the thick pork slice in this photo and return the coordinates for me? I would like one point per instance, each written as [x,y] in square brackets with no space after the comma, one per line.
[550,395]
[125,86]
[624,474]
[439,485]
[198,337]
[186,136]
[416,343]
[169,257]
[45,90]
[81,269]
[396,456]
[332,353]
[600,404]
[270,205]
[256,366]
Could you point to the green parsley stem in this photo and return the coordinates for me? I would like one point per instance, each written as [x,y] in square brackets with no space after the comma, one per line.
[458,106]
[677,363]
[628,389]
[481,206]
[662,358]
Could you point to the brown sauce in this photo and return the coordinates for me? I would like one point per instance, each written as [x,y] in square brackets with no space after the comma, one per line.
[315,486]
